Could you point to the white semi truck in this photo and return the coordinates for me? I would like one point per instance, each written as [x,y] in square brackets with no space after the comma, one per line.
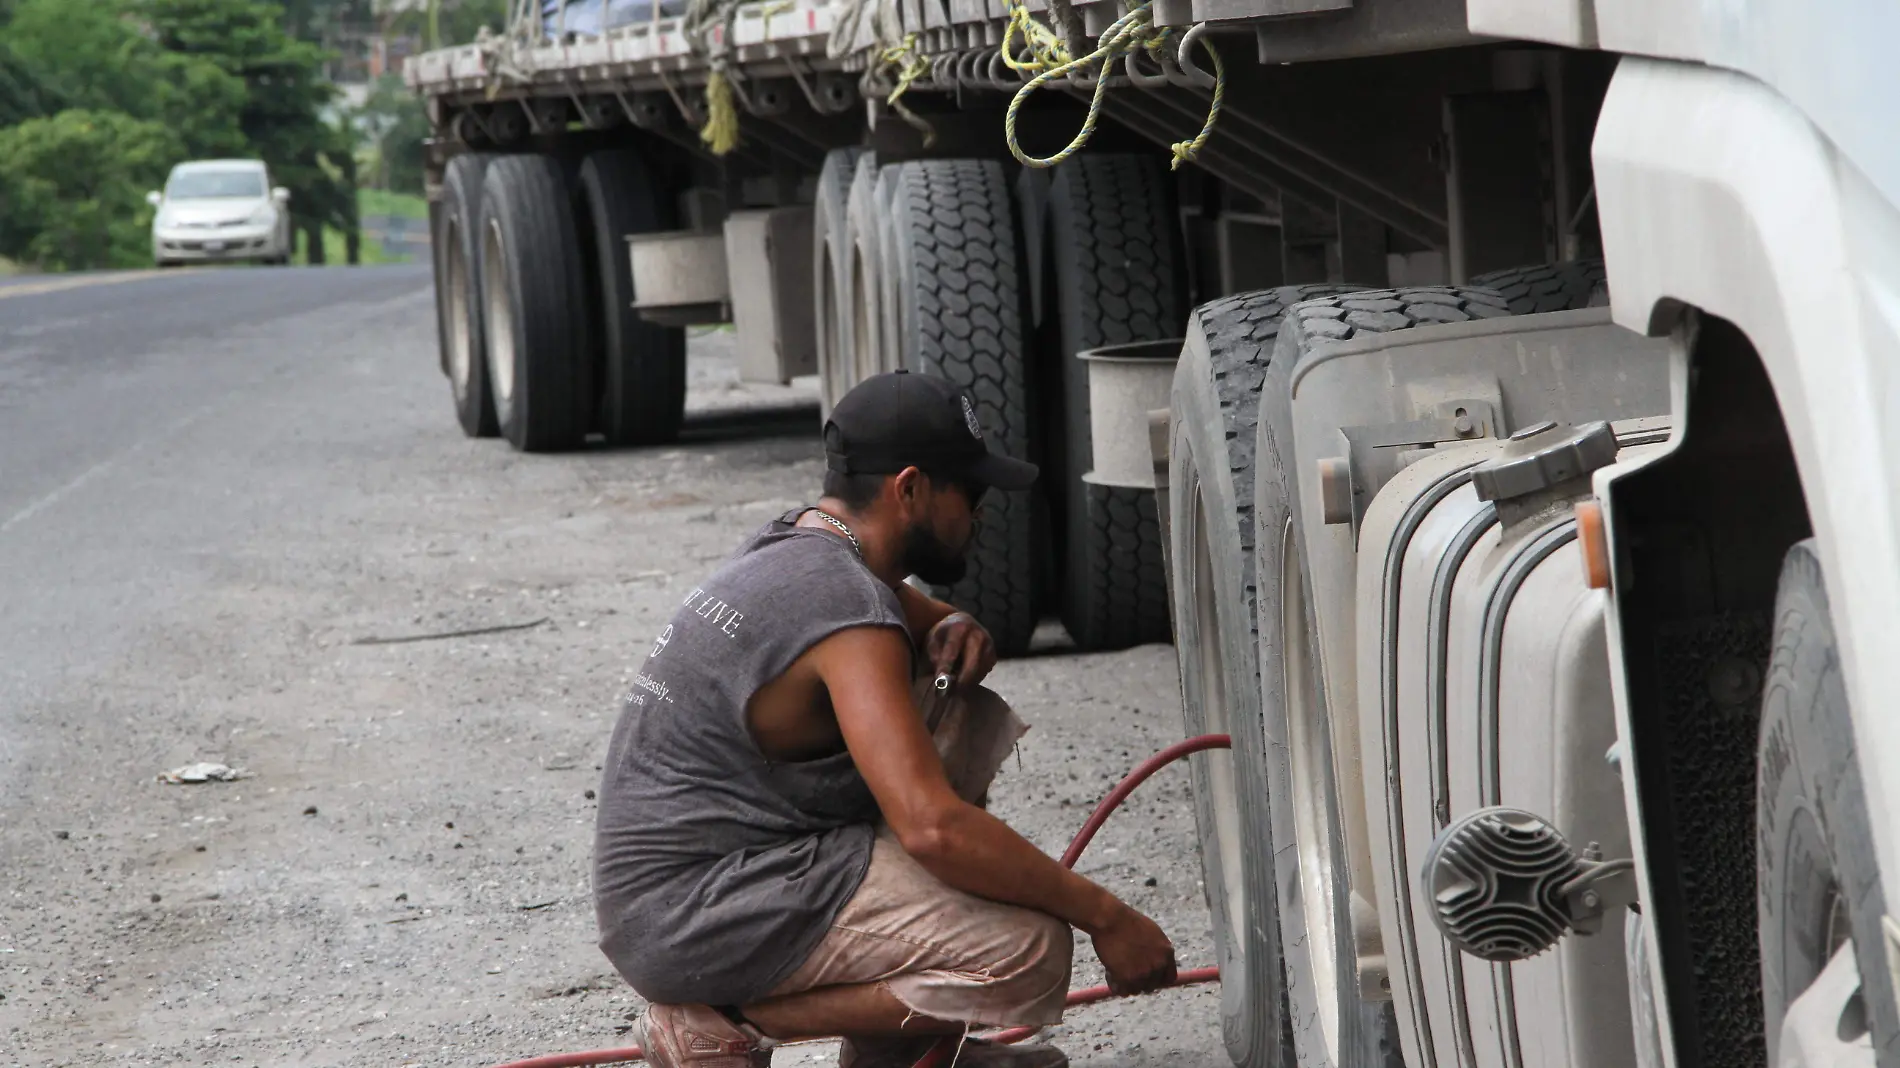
[1497,401]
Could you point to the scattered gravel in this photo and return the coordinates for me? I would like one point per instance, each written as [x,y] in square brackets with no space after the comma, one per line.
[404,879]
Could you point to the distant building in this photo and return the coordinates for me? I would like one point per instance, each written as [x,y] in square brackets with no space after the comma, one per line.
[365,50]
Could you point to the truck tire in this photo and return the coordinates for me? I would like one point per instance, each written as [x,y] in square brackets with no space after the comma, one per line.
[534,305]
[1119,273]
[1032,203]
[1211,484]
[890,355]
[640,366]
[864,275]
[1547,287]
[963,313]
[1333,1024]
[830,294]
[1818,885]
[459,295]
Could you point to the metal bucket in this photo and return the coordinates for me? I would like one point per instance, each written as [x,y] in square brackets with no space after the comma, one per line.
[1126,382]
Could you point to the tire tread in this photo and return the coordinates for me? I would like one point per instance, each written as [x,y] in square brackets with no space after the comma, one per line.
[964,321]
[1548,287]
[642,365]
[1119,271]
[528,196]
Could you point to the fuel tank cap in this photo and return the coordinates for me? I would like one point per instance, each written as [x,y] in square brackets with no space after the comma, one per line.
[1543,455]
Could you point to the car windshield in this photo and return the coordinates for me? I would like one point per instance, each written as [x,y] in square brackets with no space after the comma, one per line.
[192,185]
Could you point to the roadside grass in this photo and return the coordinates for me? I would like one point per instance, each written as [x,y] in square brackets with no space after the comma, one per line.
[335,251]
[385,202]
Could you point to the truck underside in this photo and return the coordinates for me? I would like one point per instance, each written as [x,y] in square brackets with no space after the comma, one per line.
[1436,539]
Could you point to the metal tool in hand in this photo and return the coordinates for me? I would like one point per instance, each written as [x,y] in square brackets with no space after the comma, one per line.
[942,682]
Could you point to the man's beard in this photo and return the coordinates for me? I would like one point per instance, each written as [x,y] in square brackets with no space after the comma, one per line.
[930,559]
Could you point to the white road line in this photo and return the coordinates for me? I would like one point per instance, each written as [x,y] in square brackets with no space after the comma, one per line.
[98,469]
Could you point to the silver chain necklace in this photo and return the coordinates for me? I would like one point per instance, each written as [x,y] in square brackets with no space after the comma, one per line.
[842,529]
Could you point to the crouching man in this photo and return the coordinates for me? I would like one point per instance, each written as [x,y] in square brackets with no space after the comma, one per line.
[792,841]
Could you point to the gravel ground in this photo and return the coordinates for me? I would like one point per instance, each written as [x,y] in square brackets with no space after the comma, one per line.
[402,880]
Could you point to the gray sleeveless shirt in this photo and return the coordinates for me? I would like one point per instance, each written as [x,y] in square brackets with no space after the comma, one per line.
[716,871]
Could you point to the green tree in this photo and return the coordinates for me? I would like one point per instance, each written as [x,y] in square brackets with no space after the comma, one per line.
[72,188]
[393,125]
[93,55]
[24,94]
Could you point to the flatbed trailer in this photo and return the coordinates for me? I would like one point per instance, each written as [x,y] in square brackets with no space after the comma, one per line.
[1492,400]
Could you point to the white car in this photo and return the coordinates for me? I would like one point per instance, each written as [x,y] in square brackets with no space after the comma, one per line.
[220,210]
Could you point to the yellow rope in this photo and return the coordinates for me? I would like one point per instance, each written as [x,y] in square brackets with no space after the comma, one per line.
[721,132]
[909,65]
[1125,34]
[1050,59]
[1045,46]
[1185,151]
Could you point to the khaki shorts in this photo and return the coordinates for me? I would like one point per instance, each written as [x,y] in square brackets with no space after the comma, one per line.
[941,952]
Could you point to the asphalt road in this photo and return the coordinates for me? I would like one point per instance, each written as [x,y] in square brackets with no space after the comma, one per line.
[214,485]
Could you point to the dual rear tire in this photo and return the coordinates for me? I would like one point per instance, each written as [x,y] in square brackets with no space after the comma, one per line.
[928,272]
[1212,480]
[539,338]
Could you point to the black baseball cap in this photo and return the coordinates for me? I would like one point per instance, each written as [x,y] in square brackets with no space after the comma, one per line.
[896,420]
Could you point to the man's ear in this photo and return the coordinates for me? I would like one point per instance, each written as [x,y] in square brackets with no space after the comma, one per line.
[907,488]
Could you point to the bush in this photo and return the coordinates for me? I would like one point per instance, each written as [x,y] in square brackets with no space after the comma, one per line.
[72,188]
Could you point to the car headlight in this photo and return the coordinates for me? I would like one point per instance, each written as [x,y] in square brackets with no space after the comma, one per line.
[263,216]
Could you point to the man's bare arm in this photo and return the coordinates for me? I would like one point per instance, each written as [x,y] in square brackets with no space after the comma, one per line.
[921,612]
[953,642]
[865,671]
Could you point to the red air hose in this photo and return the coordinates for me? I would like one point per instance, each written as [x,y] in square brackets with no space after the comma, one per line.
[940,1054]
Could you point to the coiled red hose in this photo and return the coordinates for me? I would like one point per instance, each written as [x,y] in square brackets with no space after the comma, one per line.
[941,1053]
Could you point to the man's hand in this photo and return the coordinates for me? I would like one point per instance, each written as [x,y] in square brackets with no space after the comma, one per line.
[867,671]
[959,646]
[1136,954]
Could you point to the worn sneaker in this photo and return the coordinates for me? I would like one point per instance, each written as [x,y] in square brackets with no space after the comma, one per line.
[699,1036]
[975,1053]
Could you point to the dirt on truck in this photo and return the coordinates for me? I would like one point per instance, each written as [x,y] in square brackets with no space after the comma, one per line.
[1489,400]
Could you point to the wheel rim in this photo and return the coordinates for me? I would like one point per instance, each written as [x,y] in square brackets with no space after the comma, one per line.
[501,319]
[1826,1024]
[1309,763]
[460,343]
[1223,792]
